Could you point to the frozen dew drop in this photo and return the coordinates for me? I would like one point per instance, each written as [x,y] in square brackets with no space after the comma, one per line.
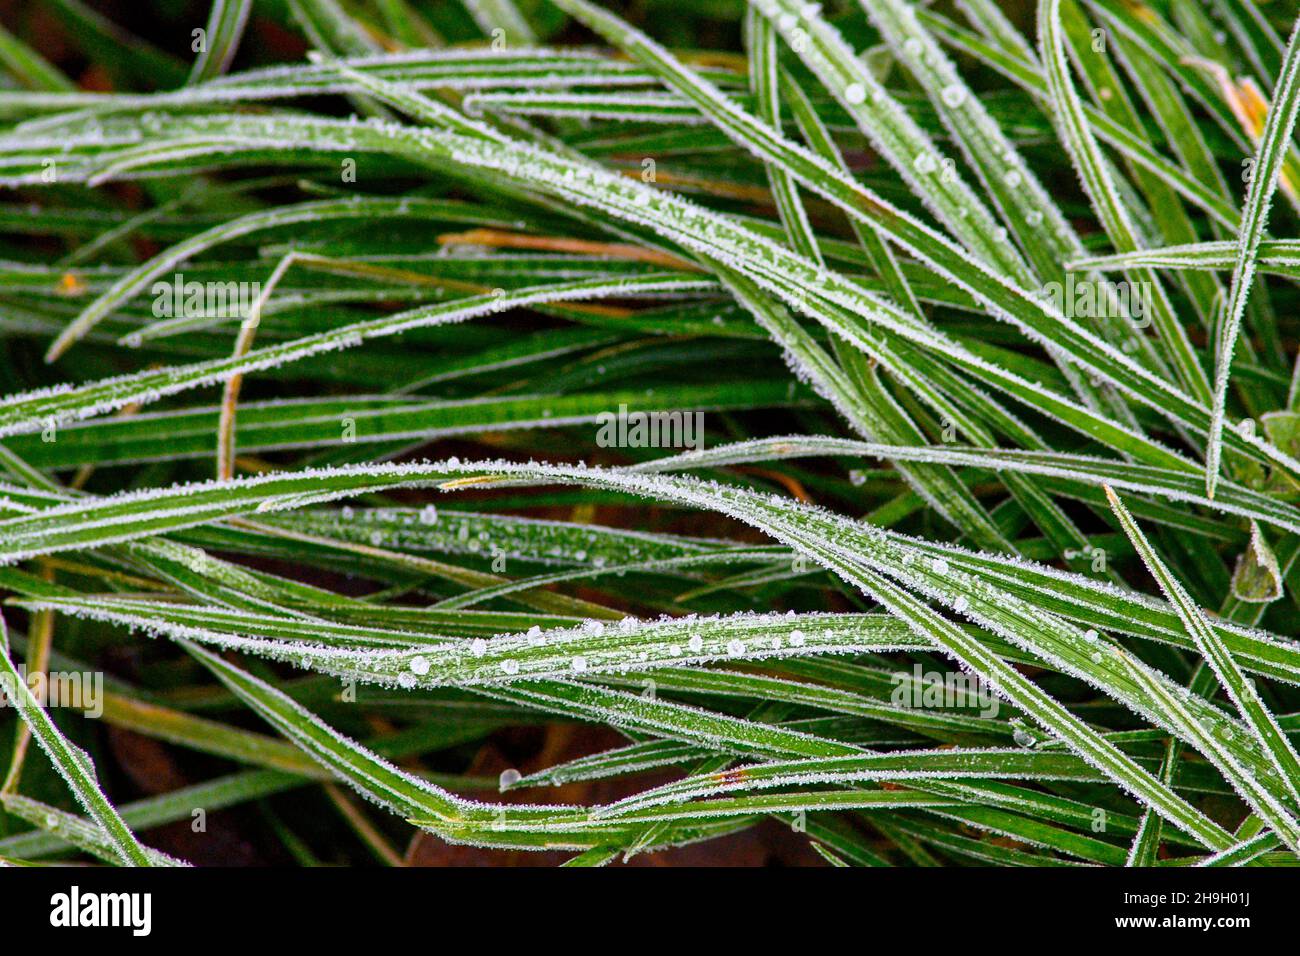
[855,93]
[1022,737]
[960,604]
[579,664]
[420,665]
[406,680]
[509,778]
[510,666]
[938,565]
[954,95]
[735,647]
[478,647]
[429,514]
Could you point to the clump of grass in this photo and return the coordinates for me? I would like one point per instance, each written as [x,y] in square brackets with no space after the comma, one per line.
[842,417]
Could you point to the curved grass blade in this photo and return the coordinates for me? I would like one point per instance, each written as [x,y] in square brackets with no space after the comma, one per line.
[323,210]
[72,763]
[1241,690]
[1274,145]
[221,38]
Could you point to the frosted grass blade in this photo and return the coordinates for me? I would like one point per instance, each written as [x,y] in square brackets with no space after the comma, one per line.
[72,763]
[1274,145]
